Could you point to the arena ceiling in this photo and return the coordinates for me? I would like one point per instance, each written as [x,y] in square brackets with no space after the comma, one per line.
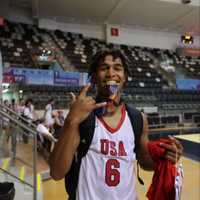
[161,15]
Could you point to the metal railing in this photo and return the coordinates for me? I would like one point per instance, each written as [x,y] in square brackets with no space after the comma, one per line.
[20,123]
[17,116]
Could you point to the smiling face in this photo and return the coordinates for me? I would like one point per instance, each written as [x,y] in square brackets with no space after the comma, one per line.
[110,70]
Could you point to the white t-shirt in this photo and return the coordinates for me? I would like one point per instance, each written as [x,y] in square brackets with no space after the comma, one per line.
[48,115]
[44,131]
[20,110]
[28,112]
[107,171]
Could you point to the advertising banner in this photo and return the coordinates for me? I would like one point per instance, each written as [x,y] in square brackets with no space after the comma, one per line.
[39,77]
[66,78]
[43,77]
[188,84]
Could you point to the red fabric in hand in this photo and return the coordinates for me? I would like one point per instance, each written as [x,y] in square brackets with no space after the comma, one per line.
[162,186]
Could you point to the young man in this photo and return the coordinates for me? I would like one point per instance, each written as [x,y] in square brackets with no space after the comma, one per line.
[107,170]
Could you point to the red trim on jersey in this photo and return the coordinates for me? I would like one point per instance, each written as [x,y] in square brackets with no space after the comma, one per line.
[111,129]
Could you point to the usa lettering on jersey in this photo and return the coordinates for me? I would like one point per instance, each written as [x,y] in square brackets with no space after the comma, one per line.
[112,148]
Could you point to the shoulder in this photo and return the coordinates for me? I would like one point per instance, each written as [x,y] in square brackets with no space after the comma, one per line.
[134,113]
[131,108]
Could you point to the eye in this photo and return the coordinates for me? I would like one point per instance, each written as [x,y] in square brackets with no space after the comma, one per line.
[118,67]
[103,67]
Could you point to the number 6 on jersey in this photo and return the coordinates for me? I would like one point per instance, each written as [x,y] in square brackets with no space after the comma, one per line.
[112,176]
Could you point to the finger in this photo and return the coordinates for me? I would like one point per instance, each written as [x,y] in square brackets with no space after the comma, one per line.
[171,154]
[99,105]
[85,90]
[73,97]
[177,142]
[171,158]
[88,98]
[91,102]
[169,147]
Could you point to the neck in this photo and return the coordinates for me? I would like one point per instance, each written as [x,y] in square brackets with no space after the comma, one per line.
[112,108]
[112,111]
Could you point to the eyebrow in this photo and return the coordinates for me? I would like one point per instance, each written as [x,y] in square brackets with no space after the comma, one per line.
[116,64]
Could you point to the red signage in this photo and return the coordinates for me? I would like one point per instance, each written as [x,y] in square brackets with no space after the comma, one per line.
[191,51]
[114,32]
[1,21]
[8,78]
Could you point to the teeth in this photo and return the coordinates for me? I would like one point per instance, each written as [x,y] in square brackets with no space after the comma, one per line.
[111,82]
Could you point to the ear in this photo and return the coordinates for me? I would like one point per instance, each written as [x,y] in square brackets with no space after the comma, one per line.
[125,77]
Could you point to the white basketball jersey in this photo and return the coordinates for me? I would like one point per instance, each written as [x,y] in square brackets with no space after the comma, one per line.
[107,171]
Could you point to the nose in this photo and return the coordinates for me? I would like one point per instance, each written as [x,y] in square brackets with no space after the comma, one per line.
[110,72]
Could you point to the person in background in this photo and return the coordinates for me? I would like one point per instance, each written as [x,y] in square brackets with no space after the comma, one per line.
[48,113]
[14,105]
[6,103]
[6,124]
[46,137]
[28,111]
[29,115]
[14,130]
[58,122]
[21,106]
[61,117]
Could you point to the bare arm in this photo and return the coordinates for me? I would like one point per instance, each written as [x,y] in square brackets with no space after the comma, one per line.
[144,158]
[64,150]
[173,150]
[62,156]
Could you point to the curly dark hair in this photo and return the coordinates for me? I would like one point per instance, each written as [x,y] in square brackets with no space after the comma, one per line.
[99,57]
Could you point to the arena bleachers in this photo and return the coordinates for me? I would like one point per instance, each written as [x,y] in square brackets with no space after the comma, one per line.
[190,65]
[21,43]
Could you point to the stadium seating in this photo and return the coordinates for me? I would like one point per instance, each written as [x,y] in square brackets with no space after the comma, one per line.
[21,43]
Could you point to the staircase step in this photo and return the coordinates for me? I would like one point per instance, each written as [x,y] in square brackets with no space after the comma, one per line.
[23,191]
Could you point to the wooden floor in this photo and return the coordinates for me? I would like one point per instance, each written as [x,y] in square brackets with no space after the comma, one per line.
[24,156]
[54,190]
[191,186]
[190,137]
